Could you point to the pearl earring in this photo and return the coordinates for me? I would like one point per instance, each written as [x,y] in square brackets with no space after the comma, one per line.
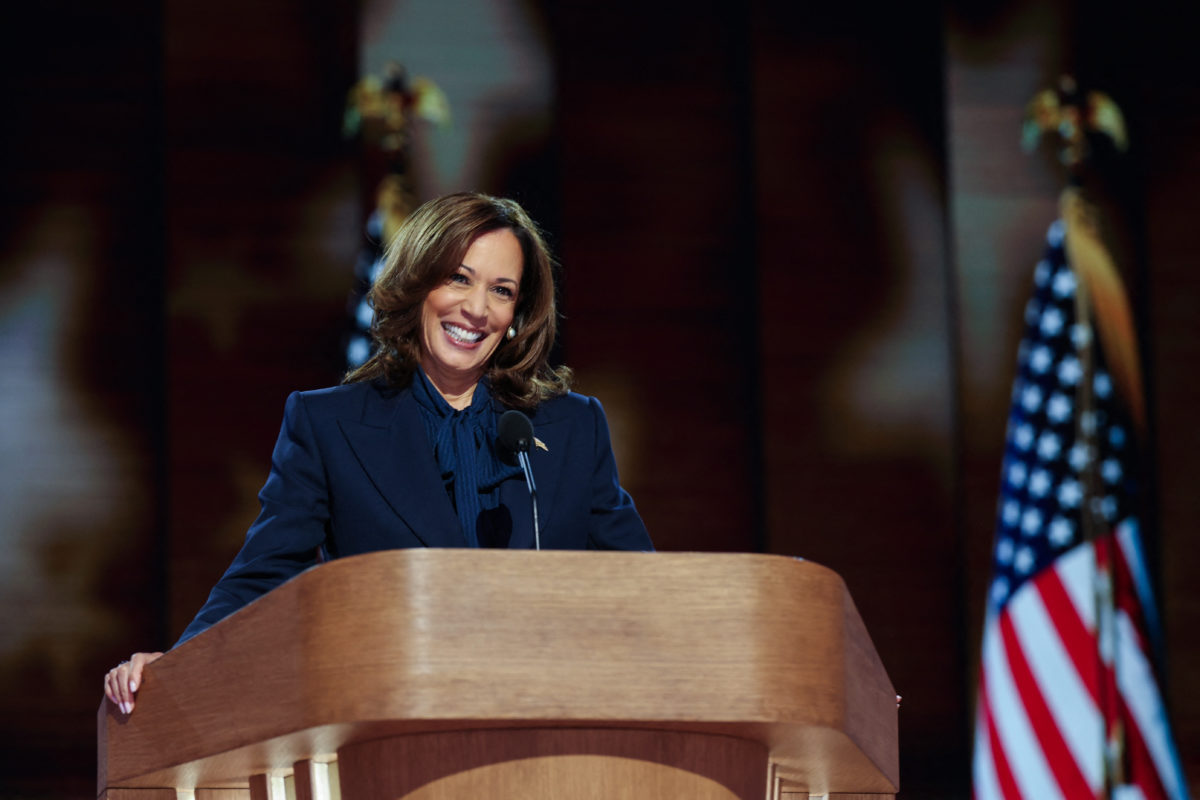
[511,332]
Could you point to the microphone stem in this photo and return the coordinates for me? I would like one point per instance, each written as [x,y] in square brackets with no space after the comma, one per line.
[523,458]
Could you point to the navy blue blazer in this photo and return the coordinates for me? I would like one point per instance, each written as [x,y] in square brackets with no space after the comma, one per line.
[353,472]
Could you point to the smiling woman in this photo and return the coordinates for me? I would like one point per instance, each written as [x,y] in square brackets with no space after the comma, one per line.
[467,247]
[405,452]
[466,319]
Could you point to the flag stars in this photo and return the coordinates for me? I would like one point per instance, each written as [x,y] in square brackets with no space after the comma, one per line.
[1064,477]
[1010,513]
[1048,446]
[1116,436]
[1055,233]
[1023,561]
[1041,273]
[999,590]
[1064,283]
[1040,359]
[1059,408]
[1023,436]
[1031,398]
[1069,371]
[1079,456]
[1039,484]
[1060,532]
[1052,322]
[1017,472]
[1031,523]
[364,313]
[1004,550]
[1070,493]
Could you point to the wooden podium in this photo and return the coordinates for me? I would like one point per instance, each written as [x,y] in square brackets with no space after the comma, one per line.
[430,674]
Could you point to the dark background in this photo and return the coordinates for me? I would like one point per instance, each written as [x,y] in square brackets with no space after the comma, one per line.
[796,244]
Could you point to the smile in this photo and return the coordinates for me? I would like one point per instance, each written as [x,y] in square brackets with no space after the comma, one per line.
[461,334]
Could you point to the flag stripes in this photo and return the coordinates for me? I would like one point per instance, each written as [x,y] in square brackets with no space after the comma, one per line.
[1055,680]
[993,776]
[1040,703]
[1015,735]
[1059,757]
[1068,699]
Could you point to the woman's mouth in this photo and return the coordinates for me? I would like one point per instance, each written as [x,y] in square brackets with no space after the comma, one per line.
[462,335]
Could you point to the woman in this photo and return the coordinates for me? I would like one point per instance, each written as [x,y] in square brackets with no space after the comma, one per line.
[404,453]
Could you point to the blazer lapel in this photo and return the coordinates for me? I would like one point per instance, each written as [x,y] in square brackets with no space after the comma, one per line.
[547,467]
[391,445]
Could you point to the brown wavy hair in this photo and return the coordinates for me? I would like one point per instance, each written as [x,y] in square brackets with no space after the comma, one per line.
[428,248]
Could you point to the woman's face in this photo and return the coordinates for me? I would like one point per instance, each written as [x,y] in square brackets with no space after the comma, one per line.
[465,319]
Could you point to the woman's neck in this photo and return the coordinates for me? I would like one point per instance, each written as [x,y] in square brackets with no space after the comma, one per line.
[457,392]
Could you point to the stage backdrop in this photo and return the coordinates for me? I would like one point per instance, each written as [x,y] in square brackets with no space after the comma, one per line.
[795,246]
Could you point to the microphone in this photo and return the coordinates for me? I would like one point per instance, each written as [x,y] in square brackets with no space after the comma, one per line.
[515,433]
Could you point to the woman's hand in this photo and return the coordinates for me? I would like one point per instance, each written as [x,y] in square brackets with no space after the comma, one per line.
[122,681]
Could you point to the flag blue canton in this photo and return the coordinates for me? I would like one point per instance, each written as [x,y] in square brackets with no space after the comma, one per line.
[1058,460]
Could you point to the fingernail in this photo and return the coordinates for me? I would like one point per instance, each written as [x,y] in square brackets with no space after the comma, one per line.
[125,709]
[133,686]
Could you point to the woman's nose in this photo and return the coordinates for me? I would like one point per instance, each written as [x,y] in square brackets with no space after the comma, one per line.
[475,303]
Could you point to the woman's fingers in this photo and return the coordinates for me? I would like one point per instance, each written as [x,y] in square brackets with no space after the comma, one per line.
[122,681]
[137,663]
[110,685]
[116,685]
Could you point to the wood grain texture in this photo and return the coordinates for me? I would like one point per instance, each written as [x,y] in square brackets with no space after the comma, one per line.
[259,787]
[302,774]
[550,764]
[765,648]
[315,780]
[138,794]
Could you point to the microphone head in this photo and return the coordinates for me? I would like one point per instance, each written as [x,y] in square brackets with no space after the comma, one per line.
[515,431]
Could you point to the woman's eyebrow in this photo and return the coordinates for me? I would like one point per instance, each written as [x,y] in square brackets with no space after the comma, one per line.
[498,280]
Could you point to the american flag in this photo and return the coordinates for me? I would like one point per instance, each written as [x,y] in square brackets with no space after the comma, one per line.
[1068,703]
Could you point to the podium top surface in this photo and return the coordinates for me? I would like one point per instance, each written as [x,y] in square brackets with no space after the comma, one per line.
[768,648]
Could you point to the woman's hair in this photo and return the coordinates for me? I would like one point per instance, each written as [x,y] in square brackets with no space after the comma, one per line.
[428,248]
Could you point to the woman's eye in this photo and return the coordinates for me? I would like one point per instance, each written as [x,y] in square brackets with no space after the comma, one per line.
[459,277]
[504,291]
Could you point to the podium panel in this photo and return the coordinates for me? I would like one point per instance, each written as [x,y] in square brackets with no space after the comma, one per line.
[550,764]
[736,673]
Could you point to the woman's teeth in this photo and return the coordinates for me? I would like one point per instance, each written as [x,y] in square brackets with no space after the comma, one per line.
[462,334]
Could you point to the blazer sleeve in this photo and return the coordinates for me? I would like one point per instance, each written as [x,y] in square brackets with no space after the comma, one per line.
[614,523]
[289,530]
